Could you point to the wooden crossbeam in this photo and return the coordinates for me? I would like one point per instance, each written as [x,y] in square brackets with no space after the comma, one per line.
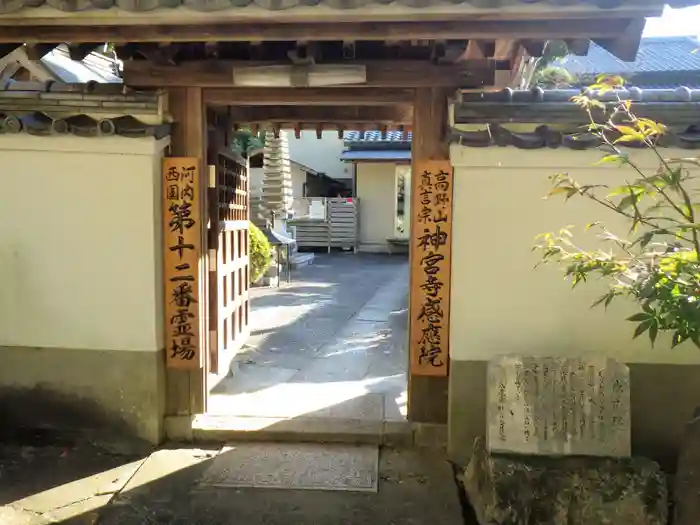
[315,114]
[384,74]
[588,27]
[307,96]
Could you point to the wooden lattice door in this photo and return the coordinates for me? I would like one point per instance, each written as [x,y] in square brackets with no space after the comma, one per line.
[229,247]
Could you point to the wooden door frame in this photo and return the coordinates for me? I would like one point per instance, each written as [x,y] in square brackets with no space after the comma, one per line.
[187,391]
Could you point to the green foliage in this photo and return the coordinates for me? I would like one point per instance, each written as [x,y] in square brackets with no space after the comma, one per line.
[656,264]
[260,253]
[553,77]
[244,141]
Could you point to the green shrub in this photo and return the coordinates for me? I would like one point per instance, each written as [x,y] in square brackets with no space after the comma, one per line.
[260,253]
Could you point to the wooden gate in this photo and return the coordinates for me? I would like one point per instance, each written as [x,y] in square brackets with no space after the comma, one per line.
[229,246]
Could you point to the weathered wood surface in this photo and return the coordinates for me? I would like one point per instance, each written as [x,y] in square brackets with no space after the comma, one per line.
[427,394]
[380,73]
[431,241]
[182,252]
[595,25]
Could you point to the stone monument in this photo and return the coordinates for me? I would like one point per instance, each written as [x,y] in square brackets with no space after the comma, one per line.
[557,447]
[554,406]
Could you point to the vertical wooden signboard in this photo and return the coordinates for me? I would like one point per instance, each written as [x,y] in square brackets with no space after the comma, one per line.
[431,240]
[183,247]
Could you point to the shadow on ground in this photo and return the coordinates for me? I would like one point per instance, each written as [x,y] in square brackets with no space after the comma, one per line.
[85,487]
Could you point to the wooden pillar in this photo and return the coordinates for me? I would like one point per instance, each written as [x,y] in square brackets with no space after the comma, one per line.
[427,399]
[186,389]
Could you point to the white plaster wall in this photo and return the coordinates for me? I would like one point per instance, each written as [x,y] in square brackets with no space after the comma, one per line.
[499,303]
[322,155]
[376,191]
[80,242]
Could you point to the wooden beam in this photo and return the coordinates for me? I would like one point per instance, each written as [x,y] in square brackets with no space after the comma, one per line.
[307,96]
[427,401]
[335,114]
[384,74]
[588,27]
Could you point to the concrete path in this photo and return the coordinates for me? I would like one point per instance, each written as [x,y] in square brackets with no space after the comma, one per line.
[170,487]
[331,344]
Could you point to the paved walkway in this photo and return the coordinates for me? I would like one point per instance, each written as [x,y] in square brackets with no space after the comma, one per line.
[80,486]
[331,344]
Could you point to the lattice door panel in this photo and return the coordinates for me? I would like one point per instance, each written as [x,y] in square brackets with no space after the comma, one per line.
[229,247]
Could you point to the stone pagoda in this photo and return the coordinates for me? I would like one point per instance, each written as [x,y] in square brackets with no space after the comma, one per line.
[277,195]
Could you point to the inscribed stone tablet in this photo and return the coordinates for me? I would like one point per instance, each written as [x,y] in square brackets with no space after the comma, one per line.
[556,406]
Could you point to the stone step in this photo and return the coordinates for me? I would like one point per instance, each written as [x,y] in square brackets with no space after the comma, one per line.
[209,428]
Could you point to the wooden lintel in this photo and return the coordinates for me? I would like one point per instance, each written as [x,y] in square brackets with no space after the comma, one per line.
[306,96]
[302,114]
[384,74]
[253,30]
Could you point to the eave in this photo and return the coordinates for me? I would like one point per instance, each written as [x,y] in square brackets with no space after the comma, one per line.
[188,12]
[539,119]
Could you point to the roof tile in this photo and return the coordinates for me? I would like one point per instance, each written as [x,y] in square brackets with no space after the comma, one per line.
[656,55]
[10,6]
[377,136]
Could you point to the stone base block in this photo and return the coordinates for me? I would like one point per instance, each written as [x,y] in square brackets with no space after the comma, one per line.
[527,490]
[686,493]
[112,398]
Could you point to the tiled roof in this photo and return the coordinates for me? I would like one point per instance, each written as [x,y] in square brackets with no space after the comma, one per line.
[9,6]
[656,55]
[87,110]
[36,123]
[532,119]
[543,97]
[377,136]
[540,137]
[370,155]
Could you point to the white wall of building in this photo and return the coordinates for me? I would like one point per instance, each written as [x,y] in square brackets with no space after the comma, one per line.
[322,155]
[80,242]
[376,191]
[499,303]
